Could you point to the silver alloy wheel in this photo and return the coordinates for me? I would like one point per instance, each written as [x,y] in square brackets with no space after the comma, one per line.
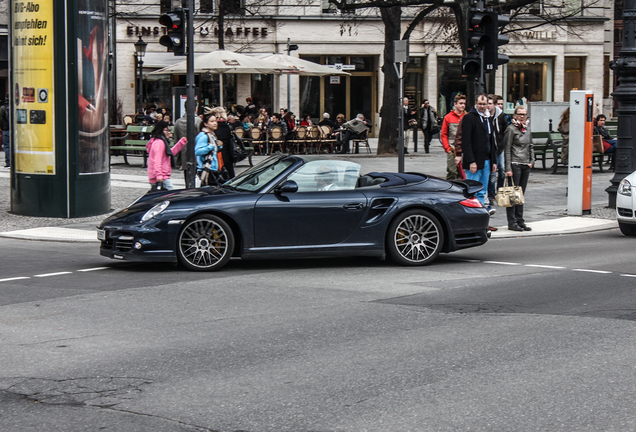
[205,243]
[417,238]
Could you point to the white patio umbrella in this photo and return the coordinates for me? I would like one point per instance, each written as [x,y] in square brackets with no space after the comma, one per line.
[295,65]
[222,62]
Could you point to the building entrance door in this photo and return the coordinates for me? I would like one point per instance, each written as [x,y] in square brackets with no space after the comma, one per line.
[348,95]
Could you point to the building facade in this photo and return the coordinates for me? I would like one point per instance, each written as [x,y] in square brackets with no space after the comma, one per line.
[546,61]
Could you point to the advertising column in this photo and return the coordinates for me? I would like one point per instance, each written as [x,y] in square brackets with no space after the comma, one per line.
[61,141]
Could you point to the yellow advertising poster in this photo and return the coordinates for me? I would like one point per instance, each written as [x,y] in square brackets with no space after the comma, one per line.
[33,121]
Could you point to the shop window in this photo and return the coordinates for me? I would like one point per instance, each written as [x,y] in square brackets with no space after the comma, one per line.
[166,5]
[573,7]
[262,91]
[449,82]
[310,97]
[328,7]
[233,7]
[362,64]
[606,77]
[414,82]
[574,73]
[528,80]
[206,6]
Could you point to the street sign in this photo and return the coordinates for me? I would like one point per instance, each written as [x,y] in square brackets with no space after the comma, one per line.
[401,51]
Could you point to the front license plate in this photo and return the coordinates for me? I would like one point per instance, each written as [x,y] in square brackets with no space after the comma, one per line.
[101,234]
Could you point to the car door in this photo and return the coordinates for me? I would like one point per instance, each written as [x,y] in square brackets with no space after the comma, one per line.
[309,216]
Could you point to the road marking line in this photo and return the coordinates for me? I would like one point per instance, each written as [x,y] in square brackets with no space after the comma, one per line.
[500,262]
[544,266]
[14,278]
[629,275]
[466,260]
[93,269]
[592,271]
[52,274]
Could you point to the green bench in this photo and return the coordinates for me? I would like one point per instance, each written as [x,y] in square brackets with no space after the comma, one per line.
[557,142]
[542,147]
[133,146]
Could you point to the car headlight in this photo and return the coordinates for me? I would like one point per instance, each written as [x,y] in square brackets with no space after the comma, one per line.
[625,188]
[155,211]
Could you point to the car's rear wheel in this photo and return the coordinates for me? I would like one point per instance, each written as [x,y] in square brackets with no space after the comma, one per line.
[627,229]
[415,237]
[205,243]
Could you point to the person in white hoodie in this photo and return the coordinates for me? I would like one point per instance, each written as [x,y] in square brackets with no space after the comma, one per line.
[500,123]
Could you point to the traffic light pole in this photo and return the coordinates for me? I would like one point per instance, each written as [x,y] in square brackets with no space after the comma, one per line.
[190,112]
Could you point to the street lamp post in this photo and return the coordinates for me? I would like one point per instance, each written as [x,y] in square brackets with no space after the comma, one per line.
[140,52]
[625,95]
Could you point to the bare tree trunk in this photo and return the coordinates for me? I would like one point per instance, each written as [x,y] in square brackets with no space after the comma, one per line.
[387,142]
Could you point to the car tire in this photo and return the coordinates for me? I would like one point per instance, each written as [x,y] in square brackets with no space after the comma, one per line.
[414,238]
[205,243]
[627,229]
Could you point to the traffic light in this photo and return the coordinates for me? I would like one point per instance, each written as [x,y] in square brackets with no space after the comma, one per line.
[175,39]
[476,37]
[492,59]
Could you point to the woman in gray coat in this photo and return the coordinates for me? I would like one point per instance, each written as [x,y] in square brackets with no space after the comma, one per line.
[518,159]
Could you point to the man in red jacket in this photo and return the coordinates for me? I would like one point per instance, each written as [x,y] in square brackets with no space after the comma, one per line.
[449,130]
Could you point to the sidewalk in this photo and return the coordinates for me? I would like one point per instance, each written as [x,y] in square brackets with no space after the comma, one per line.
[545,209]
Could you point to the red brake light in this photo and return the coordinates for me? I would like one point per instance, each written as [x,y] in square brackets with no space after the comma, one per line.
[471,202]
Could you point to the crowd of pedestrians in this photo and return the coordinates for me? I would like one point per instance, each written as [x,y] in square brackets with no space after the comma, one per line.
[482,143]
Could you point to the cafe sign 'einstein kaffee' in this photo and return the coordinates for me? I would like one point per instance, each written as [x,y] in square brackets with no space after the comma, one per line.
[230,32]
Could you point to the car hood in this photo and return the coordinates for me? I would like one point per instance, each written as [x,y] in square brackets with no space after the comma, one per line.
[132,213]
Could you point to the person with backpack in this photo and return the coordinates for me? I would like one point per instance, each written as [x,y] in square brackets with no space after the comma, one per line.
[160,156]
[6,133]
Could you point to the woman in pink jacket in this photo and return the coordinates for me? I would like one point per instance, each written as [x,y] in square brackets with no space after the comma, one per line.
[160,156]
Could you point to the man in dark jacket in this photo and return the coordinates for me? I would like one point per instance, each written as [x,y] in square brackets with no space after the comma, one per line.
[479,153]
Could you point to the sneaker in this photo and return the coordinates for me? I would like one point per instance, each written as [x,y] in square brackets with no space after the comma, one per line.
[491,211]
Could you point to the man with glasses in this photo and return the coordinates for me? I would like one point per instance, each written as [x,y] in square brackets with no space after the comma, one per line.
[479,153]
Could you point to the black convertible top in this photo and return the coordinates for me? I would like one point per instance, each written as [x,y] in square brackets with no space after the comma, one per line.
[398,179]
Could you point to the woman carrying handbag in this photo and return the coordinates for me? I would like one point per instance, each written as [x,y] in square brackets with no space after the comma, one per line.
[518,160]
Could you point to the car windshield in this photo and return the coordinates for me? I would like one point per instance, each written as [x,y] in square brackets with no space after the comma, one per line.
[259,175]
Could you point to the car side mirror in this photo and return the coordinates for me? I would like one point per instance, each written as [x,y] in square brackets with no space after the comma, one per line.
[288,186]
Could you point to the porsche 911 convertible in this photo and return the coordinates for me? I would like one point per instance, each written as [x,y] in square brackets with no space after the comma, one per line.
[300,207]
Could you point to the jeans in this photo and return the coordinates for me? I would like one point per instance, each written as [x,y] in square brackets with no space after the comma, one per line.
[6,143]
[483,177]
[167,184]
[497,178]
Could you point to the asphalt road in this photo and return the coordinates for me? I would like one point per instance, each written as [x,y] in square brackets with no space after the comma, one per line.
[531,334]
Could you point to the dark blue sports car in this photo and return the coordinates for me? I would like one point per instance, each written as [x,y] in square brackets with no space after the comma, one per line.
[300,207]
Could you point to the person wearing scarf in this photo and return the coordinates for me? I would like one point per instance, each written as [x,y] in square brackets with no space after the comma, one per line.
[206,141]
[160,156]
[518,160]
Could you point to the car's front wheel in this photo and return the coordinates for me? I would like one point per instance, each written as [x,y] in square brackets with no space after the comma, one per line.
[415,237]
[627,229]
[205,243]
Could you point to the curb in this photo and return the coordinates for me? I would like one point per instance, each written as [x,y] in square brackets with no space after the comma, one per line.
[560,226]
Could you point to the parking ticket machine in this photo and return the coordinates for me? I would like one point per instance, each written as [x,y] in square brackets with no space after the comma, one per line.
[580,152]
